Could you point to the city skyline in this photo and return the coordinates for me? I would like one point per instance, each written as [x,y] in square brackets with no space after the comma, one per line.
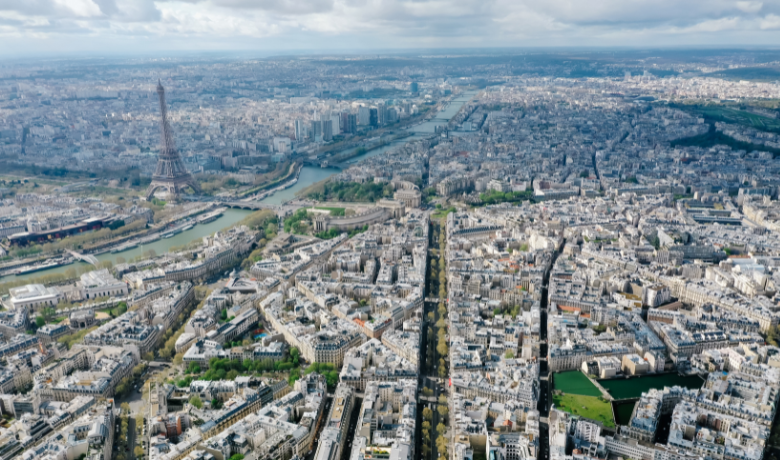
[498,251]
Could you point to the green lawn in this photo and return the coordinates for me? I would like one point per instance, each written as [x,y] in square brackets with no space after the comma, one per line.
[575,382]
[589,407]
[712,138]
[634,387]
[742,117]
[120,308]
[731,114]
[439,213]
[748,73]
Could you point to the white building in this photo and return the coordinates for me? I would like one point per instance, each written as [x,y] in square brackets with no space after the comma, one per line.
[34,296]
[100,283]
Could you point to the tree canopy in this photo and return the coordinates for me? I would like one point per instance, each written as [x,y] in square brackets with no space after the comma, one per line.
[353,191]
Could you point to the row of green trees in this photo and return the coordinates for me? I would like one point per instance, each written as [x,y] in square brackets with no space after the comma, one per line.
[90,238]
[195,400]
[441,325]
[428,194]
[426,431]
[268,227]
[124,423]
[441,429]
[327,370]
[126,384]
[441,212]
[773,336]
[298,222]
[172,334]
[512,310]
[259,219]
[46,315]
[334,232]
[495,197]
[229,369]
[353,192]
[71,339]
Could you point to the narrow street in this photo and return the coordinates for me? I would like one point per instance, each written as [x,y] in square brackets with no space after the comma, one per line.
[545,390]
[429,356]
[347,448]
[131,438]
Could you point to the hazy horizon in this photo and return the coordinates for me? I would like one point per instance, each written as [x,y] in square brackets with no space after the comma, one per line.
[390,53]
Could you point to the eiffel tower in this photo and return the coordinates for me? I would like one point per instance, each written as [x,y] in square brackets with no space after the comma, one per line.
[171,175]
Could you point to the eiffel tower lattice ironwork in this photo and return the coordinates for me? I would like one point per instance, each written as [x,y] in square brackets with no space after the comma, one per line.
[171,174]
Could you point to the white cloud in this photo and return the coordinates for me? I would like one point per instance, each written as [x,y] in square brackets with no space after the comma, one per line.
[715,25]
[750,7]
[770,22]
[79,8]
[332,24]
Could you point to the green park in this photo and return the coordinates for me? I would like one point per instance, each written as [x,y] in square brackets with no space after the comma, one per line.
[576,394]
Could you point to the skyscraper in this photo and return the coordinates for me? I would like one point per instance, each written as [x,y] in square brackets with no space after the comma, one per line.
[364,116]
[336,122]
[300,130]
[327,130]
[413,87]
[170,175]
[381,114]
[392,115]
[348,123]
[316,130]
[373,117]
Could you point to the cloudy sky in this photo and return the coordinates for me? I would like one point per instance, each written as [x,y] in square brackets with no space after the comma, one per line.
[130,26]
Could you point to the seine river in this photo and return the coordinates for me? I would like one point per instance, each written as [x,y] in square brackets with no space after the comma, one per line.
[312,174]
[309,175]
[161,246]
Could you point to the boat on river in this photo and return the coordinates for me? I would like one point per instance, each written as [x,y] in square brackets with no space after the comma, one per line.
[43,266]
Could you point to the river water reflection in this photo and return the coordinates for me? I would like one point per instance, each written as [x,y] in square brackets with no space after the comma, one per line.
[161,246]
[309,175]
[312,174]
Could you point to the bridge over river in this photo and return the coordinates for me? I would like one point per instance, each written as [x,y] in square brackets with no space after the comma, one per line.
[251,205]
[84,257]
